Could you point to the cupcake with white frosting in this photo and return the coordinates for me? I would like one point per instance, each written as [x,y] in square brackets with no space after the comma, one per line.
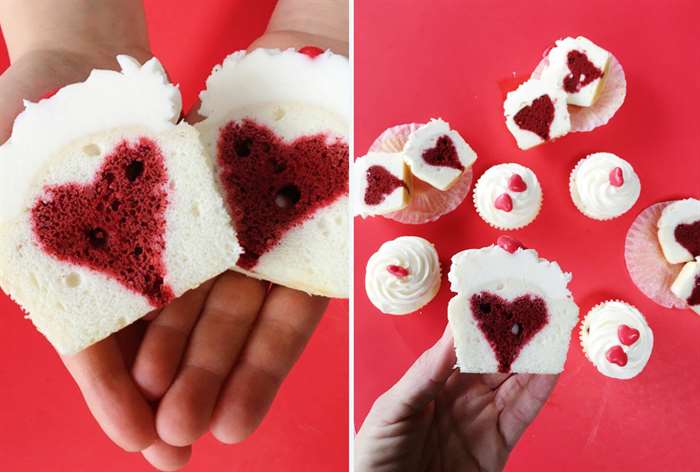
[403,275]
[508,196]
[616,338]
[603,186]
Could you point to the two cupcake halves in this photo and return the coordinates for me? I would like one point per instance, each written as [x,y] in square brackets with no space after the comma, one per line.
[114,209]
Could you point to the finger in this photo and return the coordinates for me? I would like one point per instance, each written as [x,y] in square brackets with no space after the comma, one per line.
[519,399]
[164,344]
[219,336]
[165,457]
[112,396]
[421,383]
[286,323]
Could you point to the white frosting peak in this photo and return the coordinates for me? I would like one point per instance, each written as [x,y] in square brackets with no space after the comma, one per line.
[594,194]
[139,95]
[398,294]
[600,333]
[273,76]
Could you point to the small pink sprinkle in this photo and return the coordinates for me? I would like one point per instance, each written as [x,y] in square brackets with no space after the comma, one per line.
[504,202]
[311,51]
[398,271]
[617,356]
[516,183]
[616,178]
[509,244]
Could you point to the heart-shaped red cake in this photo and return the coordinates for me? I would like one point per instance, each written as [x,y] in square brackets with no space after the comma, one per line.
[443,154]
[688,236]
[537,117]
[380,183]
[508,325]
[272,186]
[115,224]
[583,72]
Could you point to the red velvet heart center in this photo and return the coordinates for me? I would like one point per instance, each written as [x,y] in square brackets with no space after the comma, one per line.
[271,185]
[508,326]
[688,236]
[443,154]
[537,117]
[114,225]
[627,335]
[380,183]
[694,298]
[583,72]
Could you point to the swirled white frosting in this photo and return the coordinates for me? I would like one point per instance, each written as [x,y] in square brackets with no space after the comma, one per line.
[494,183]
[592,192]
[395,294]
[599,333]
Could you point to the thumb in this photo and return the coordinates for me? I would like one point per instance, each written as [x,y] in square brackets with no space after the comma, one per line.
[421,383]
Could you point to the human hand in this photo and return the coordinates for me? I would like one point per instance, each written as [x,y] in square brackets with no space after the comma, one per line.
[436,419]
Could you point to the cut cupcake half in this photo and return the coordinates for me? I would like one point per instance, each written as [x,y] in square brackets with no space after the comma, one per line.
[382,182]
[513,311]
[276,125]
[112,209]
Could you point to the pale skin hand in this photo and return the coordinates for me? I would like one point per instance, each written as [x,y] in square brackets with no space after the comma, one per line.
[436,419]
[214,359]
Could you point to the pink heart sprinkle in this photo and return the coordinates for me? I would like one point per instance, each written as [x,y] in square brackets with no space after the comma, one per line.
[397,270]
[509,244]
[504,202]
[617,356]
[516,183]
[311,51]
[627,335]
[616,177]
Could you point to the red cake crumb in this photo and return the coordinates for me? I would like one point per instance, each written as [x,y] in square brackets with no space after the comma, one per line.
[380,183]
[508,326]
[259,171]
[583,72]
[688,236]
[443,154]
[114,225]
[537,117]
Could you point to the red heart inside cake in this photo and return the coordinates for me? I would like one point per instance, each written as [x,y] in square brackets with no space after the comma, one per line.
[537,117]
[443,154]
[688,236]
[508,326]
[272,186]
[380,183]
[583,72]
[114,225]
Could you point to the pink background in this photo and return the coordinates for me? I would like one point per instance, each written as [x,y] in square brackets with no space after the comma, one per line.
[451,59]
[44,424]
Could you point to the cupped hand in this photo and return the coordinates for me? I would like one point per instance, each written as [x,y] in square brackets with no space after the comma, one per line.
[211,360]
[437,419]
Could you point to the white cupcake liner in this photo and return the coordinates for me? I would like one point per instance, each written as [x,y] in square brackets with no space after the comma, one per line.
[427,203]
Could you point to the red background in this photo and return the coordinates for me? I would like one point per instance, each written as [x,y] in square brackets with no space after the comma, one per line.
[446,58]
[44,424]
